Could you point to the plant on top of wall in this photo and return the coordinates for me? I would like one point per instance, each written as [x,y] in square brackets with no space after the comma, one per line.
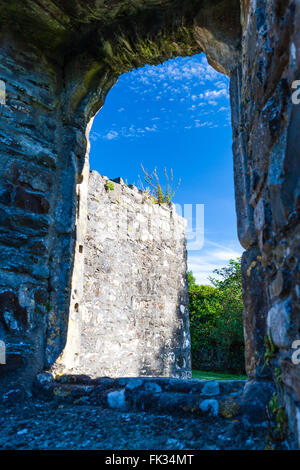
[155,190]
[109,185]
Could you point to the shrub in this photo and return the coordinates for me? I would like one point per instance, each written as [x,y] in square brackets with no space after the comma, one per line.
[216,317]
[110,185]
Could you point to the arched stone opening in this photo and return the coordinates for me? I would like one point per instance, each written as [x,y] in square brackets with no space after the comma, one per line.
[58,64]
[151,338]
[137,44]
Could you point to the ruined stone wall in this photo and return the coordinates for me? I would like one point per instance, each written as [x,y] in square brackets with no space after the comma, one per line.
[58,62]
[33,279]
[267,183]
[133,317]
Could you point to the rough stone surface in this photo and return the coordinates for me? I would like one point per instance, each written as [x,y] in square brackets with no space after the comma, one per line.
[135,413]
[58,62]
[211,388]
[116,399]
[266,149]
[40,425]
[133,317]
[255,313]
[210,406]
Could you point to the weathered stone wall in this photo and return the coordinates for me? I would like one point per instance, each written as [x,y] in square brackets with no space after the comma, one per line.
[267,181]
[33,278]
[58,62]
[133,317]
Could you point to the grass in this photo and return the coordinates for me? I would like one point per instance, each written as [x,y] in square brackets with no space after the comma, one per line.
[202,374]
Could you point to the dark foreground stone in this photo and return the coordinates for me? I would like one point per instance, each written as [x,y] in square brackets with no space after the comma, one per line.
[43,425]
[77,412]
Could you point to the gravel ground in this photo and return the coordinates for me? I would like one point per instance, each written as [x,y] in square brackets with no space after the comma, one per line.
[41,425]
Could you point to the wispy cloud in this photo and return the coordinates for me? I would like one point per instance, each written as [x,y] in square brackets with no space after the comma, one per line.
[215,93]
[183,93]
[111,135]
[130,131]
[212,256]
[174,71]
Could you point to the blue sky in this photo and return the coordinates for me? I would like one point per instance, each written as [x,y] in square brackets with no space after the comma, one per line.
[175,115]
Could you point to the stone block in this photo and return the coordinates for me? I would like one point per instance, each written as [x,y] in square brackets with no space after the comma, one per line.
[117,399]
[210,406]
[279,323]
[211,389]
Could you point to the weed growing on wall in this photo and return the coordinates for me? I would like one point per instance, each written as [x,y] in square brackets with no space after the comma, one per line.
[161,194]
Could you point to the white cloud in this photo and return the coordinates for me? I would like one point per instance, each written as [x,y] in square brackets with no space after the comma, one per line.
[170,72]
[151,129]
[203,124]
[190,86]
[111,135]
[131,131]
[216,94]
[212,256]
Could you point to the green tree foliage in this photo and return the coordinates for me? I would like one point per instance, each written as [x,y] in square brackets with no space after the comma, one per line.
[191,279]
[216,316]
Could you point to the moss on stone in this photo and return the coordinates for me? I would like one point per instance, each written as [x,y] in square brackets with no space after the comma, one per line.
[229,408]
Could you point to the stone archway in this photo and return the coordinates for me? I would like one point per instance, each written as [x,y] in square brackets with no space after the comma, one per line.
[58,63]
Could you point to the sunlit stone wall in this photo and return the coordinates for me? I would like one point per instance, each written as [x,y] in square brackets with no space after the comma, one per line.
[134,312]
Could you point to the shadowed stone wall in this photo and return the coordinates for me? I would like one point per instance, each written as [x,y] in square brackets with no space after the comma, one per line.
[34,276]
[133,317]
[267,183]
[58,61]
